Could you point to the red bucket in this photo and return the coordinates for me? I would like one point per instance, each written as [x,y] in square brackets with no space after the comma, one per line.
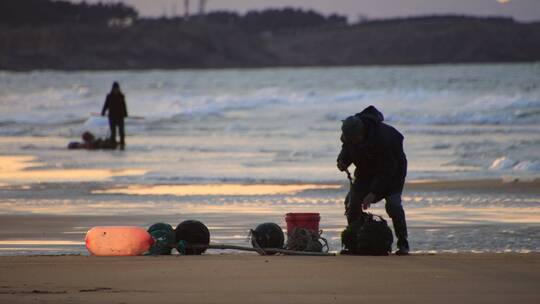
[302,220]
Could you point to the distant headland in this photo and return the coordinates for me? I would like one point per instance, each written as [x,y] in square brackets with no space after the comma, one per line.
[58,35]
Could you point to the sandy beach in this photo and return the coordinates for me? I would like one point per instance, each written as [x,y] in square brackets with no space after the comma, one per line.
[230,278]
[238,148]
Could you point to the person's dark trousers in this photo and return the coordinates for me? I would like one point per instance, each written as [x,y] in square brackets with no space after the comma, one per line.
[113,123]
[394,209]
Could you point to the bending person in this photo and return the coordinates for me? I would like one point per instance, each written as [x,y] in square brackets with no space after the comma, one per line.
[115,104]
[376,150]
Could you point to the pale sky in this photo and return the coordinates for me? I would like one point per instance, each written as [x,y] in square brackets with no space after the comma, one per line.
[524,10]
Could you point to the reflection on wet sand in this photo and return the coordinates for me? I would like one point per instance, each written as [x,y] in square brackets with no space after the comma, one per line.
[217,189]
[21,169]
[459,215]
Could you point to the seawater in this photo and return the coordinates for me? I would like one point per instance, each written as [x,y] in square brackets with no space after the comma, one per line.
[459,121]
[281,126]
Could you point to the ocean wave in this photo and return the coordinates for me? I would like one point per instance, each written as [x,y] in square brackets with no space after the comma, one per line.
[471,130]
[505,163]
[407,106]
[424,107]
[268,123]
[527,166]
[441,146]
[502,163]
[505,116]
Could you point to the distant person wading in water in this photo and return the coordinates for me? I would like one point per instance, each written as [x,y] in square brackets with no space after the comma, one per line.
[115,104]
[376,150]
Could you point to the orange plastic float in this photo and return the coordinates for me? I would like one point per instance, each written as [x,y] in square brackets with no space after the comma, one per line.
[118,241]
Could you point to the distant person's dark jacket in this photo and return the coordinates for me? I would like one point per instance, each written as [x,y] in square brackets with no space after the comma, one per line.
[116,105]
[381,164]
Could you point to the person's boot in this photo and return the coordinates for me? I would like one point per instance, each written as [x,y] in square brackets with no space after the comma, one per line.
[403,247]
[402,251]
[400,229]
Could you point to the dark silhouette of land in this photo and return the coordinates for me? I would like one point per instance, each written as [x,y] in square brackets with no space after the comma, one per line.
[41,34]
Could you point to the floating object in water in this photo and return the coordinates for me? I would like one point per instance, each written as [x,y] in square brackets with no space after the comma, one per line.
[309,221]
[118,241]
[164,239]
[75,145]
[194,235]
[98,144]
[267,235]
[90,142]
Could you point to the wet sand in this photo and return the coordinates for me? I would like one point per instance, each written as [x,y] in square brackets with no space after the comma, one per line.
[443,278]
[509,185]
[53,218]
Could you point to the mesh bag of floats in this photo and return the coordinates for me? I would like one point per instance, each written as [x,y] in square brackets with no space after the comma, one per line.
[369,235]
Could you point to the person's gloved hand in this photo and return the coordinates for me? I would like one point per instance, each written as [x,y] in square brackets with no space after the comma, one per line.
[341,166]
[368,200]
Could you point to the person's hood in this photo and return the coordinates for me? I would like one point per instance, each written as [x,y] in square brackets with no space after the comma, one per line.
[364,121]
[371,115]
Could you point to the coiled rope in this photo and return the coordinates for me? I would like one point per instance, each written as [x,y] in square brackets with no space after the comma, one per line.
[307,240]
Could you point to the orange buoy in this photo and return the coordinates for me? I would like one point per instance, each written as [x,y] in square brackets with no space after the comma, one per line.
[118,241]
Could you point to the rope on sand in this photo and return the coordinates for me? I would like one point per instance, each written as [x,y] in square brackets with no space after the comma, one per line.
[302,242]
[265,251]
[268,251]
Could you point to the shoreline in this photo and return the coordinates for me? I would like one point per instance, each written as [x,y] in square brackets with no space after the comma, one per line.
[271,67]
[462,216]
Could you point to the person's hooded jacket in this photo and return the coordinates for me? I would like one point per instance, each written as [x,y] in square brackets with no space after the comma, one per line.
[116,105]
[381,164]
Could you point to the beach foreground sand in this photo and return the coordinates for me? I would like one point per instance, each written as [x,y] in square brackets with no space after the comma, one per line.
[239,278]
